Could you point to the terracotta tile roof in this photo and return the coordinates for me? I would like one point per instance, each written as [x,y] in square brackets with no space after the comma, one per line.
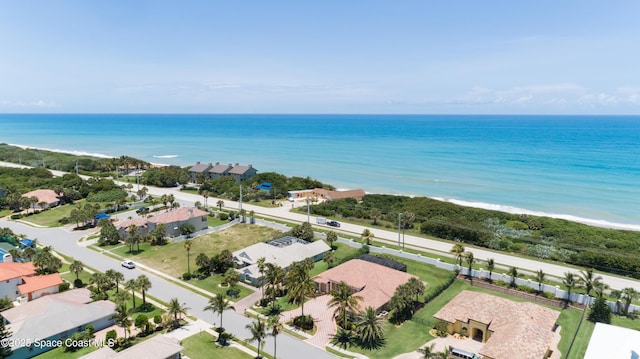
[139,222]
[378,283]
[44,195]
[520,329]
[32,284]
[178,215]
[12,270]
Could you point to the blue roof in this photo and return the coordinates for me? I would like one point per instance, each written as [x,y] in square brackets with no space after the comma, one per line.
[265,186]
[27,242]
[102,215]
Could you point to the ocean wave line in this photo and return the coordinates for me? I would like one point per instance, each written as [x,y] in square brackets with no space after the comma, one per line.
[76,153]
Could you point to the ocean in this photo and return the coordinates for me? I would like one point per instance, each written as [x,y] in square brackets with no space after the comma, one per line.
[584,168]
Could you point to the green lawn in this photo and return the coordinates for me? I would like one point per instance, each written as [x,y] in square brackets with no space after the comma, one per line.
[5,212]
[212,284]
[50,217]
[203,346]
[215,221]
[59,353]
[70,276]
[172,258]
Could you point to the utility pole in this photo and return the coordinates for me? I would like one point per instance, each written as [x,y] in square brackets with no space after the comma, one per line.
[399,221]
[308,211]
[240,204]
[76,167]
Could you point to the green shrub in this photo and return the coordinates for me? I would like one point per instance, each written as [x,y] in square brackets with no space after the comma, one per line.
[63,287]
[107,196]
[157,319]
[303,322]
[186,276]
[223,216]
[77,283]
[111,336]
[16,216]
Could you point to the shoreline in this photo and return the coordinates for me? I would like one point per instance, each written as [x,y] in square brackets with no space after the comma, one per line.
[602,223]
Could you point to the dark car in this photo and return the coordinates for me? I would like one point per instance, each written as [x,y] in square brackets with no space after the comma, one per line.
[141,210]
[333,223]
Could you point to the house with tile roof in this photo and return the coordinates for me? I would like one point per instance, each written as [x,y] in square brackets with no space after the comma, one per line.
[375,283]
[46,198]
[19,281]
[507,328]
[282,251]
[219,170]
[241,173]
[34,287]
[123,226]
[157,347]
[175,218]
[199,168]
[54,317]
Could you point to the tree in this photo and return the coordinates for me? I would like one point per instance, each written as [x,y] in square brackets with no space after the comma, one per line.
[344,301]
[5,336]
[329,258]
[299,283]
[115,277]
[458,252]
[332,237]
[142,322]
[491,265]
[401,303]
[588,279]
[143,284]
[343,338]
[470,260]
[416,287]
[100,284]
[428,351]
[205,195]
[367,236]
[599,287]
[122,319]
[617,295]
[187,229]
[203,263]
[600,311]
[218,304]
[258,332]
[369,329]
[513,272]
[303,231]
[132,285]
[261,262]
[187,246]
[176,310]
[76,267]
[121,298]
[220,204]
[46,262]
[132,238]
[570,281]
[629,295]
[108,233]
[252,214]
[28,253]
[274,276]
[230,278]
[540,278]
[276,327]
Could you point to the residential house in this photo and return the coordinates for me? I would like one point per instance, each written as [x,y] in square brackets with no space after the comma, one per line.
[322,194]
[241,173]
[199,168]
[219,170]
[52,318]
[375,283]
[282,251]
[612,342]
[123,226]
[174,218]
[19,281]
[157,347]
[508,329]
[46,198]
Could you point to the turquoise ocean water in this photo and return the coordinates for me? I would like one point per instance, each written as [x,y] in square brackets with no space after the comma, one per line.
[576,167]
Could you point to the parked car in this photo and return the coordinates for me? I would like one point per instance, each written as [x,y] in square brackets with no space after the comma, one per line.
[333,223]
[128,264]
[321,220]
[141,210]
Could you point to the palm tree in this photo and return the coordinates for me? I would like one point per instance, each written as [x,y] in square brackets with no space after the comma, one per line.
[428,351]
[144,284]
[299,283]
[570,281]
[367,236]
[206,195]
[588,279]
[617,295]
[28,253]
[416,287]
[343,338]
[261,262]
[122,319]
[599,287]
[258,332]
[187,245]
[329,258]
[121,299]
[274,276]
[629,295]
[331,238]
[469,258]
[458,251]
[76,267]
[132,285]
[175,309]
[343,300]
[375,214]
[369,328]
[540,278]
[513,272]
[276,327]
[491,265]
[218,304]
[114,277]
[132,231]
[220,204]
[252,214]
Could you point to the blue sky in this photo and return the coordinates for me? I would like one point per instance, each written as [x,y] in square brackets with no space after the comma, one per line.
[514,57]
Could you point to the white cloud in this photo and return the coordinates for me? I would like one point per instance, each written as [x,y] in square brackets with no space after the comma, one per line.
[37,104]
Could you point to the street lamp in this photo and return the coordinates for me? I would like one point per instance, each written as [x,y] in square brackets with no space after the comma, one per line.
[399,221]
[308,212]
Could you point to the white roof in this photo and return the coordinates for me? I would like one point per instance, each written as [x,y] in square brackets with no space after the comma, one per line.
[611,342]
[282,256]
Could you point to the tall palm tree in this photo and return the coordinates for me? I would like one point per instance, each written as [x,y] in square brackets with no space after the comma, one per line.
[258,332]
[588,278]
[513,272]
[218,304]
[132,285]
[220,204]
[491,265]
[206,195]
[458,251]
[261,262]
[428,351]
[144,284]
[629,295]
[176,310]
[276,327]
[132,231]
[331,238]
[599,287]
[28,253]
[274,276]
[570,281]
[115,277]
[540,274]
[122,319]
[299,283]
[188,243]
[470,260]
[76,267]
[369,328]
[121,299]
[344,301]
[367,236]
[416,287]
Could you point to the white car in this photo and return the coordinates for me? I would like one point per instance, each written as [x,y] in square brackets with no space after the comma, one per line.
[128,264]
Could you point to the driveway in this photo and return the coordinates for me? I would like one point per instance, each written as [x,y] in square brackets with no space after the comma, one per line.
[323,317]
